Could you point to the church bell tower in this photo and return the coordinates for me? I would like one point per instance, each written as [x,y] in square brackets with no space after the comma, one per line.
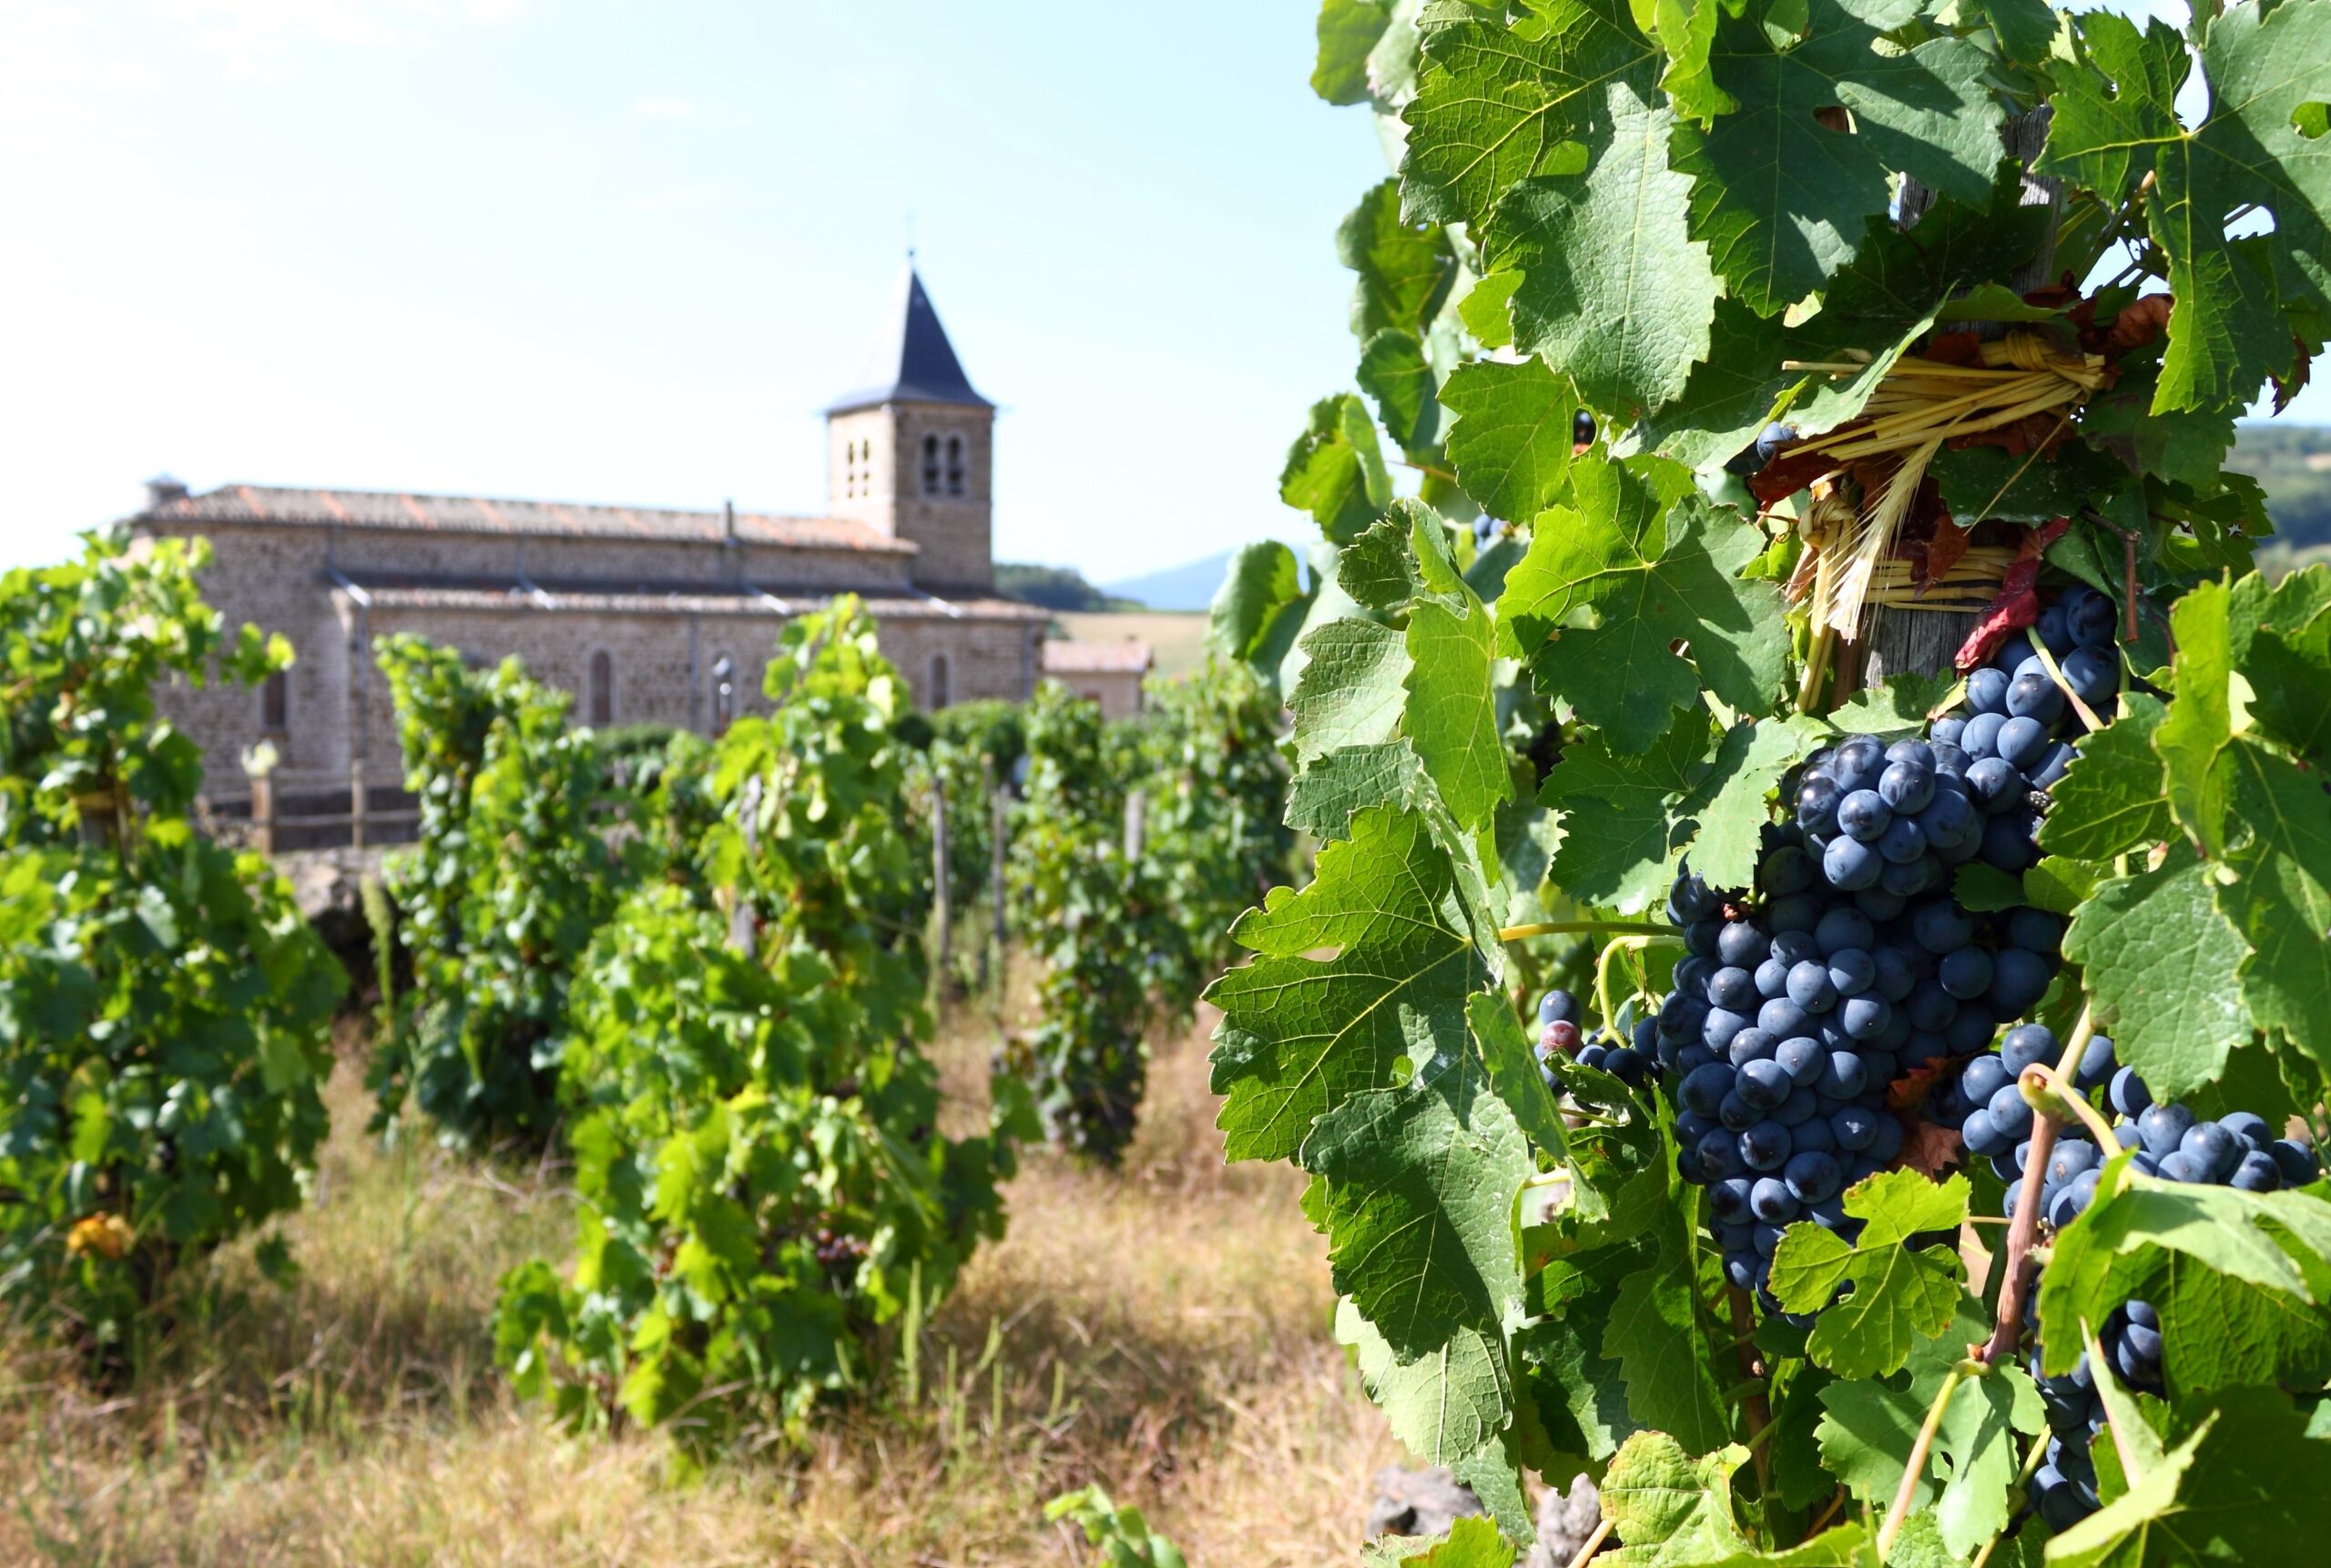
[911,452]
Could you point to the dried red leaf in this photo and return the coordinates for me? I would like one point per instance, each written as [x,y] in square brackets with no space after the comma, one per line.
[1789,472]
[1932,559]
[1954,348]
[1929,1148]
[2302,366]
[2017,603]
[2138,324]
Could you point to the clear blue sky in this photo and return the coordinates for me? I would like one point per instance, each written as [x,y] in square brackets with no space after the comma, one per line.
[624,251]
[614,251]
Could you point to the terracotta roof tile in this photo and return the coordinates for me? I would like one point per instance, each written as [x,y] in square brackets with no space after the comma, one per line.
[292,507]
[1126,657]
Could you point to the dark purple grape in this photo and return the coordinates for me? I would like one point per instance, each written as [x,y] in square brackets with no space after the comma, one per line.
[1864,815]
[2024,740]
[1851,865]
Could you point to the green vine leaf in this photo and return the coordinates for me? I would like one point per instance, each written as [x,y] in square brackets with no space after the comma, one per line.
[2229,328]
[2110,800]
[1498,105]
[1782,198]
[2241,1279]
[1636,561]
[2248,1484]
[1335,470]
[1624,819]
[1901,1294]
[1351,688]
[2162,964]
[1405,269]
[1419,1208]
[1300,1035]
[1615,294]
[1511,439]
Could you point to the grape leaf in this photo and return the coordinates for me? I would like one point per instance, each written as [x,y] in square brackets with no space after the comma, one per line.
[1350,692]
[1685,29]
[1654,1335]
[1511,442]
[2024,28]
[2162,967]
[1405,269]
[1472,1542]
[2110,801]
[1513,1072]
[2228,330]
[1335,470]
[1668,1507]
[1259,609]
[1301,1034]
[2242,1280]
[1869,1428]
[1781,199]
[1749,761]
[2246,1485]
[1348,29]
[1615,294]
[1444,1405]
[1901,1294]
[1393,371]
[2193,736]
[1496,104]
[1636,561]
[1899,706]
[1451,716]
[1419,1205]
[1986,482]
[2280,899]
[2287,659]
[1624,818]
[1327,791]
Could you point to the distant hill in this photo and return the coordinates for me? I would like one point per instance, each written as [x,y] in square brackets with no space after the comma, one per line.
[1052,588]
[2293,463]
[1190,587]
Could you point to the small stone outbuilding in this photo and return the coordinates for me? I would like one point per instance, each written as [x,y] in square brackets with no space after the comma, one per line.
[1109,673]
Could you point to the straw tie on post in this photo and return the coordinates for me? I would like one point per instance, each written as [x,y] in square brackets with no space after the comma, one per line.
[1920,404]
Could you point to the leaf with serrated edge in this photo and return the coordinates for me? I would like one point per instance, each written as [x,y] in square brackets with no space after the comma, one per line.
[1301,1034]
[2193,735]
[2236,1278]
[1351,691]
[2247,1485]
[1615,295]
[1511,444]
[1623,816]
[1782,198]
[2110,801]
[1638,561]
[1901,1295]
[2280,898]
[1443,1405]
[1420,1187]
[1326,794]
[2162,965]
[1669,1507]
[1450,715]
[1513,1072]
[1654,1334]
[1749,762]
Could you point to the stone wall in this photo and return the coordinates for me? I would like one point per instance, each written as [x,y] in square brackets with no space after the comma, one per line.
[883,487]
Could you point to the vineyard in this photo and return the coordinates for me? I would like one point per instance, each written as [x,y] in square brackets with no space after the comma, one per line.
[1761,896]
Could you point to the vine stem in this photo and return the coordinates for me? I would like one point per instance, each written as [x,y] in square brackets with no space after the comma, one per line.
[2053,1087]
[1593,1544]
[2007,1326]
[1588,928]
[1756,1407]
[1917,1466]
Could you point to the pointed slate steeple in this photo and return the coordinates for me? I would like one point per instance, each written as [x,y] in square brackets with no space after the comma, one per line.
[914,362]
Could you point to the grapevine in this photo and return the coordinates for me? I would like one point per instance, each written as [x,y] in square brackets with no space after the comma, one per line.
[1887,625]
[164,1010]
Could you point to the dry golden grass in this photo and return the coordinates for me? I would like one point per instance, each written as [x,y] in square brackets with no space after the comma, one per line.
[1163,1331]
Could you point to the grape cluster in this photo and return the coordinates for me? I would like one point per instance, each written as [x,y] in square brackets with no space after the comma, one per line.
[1560,1033]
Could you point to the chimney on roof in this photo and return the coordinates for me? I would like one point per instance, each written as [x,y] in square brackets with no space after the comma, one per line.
[728,521]
[161,490]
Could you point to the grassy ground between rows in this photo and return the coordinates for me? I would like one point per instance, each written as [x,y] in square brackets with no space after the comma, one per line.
[1163,1331]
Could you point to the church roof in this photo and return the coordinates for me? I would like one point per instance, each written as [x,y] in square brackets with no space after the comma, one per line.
[914,362]
[403,510]
[1128,658]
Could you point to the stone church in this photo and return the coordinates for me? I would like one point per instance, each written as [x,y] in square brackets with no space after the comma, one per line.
[648,616]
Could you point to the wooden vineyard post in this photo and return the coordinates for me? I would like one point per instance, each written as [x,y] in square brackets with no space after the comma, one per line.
[998,823]
[1136,822]
[942,899]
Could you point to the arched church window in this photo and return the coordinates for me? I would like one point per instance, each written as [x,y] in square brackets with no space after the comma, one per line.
[938,694]
[956,470]
[931,465]
[603,687]
[275,703]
